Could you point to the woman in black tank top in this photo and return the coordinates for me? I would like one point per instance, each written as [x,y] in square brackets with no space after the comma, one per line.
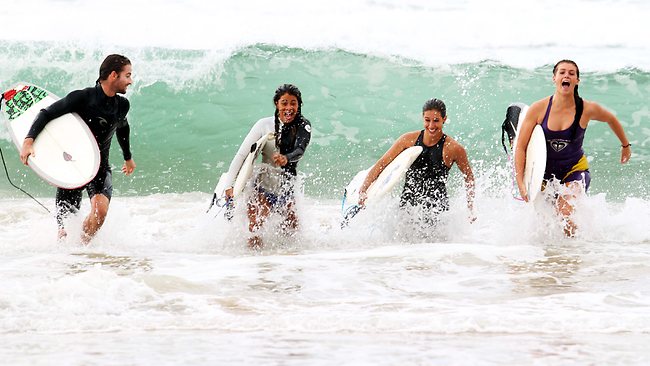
[426,179]
[425,184]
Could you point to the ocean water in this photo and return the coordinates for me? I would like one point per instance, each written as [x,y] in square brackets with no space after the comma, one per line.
[165,283]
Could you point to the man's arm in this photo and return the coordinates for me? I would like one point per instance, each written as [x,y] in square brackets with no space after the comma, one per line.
[69,103]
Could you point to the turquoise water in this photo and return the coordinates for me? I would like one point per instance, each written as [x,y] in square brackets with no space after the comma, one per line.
[190,112]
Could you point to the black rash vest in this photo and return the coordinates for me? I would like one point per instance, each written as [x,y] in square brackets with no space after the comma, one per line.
[293,140]
[426,179]
[104,116]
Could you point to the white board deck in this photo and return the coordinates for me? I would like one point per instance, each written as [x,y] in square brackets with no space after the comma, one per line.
[243,175]
[385,182]
[66,154]
[246,170]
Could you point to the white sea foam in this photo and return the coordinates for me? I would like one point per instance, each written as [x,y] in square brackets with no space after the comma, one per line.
[159,268]
[605,35]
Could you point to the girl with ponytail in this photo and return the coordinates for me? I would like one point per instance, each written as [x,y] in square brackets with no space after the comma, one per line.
[274,184]
[564,117]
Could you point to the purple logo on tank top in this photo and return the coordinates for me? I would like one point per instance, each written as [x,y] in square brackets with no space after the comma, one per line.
[559,144]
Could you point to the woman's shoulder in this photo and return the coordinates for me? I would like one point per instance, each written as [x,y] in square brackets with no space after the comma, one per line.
[538,108]
[589,105]
[539,104]
[265,120]
[452,144]
[409,138]
[593,110]
[266,123]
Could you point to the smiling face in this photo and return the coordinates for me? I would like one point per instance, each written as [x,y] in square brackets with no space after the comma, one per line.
[123,79]
[433,121]
[565,77]
[287,107]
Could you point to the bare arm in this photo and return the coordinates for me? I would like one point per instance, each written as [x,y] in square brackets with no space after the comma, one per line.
[598,113]
[404,142]
[460,157]
[69,103]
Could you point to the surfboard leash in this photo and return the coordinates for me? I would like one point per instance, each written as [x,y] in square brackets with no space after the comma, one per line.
[7,171]
[18,188]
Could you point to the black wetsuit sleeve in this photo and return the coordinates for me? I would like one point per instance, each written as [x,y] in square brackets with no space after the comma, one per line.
[123,130]
[123,139]
[69,103]
[303,136]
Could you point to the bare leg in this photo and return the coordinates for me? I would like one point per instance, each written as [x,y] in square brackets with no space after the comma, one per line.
[258,210]
[67,201]
[61,234]
[290,224]
[565,207]
[95,219]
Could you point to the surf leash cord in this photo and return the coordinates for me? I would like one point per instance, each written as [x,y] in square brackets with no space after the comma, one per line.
[18,188]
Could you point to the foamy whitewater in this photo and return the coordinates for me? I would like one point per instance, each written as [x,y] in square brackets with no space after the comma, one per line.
[164,283]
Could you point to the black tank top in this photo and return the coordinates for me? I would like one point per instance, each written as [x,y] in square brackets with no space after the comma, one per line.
[426,179]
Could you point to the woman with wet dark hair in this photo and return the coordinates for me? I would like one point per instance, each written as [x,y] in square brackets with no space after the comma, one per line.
[425,186]
[564,117]
[274,185]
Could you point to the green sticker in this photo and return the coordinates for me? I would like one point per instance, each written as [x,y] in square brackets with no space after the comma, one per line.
[23,100]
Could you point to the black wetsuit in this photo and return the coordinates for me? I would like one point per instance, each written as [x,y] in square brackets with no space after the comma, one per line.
[293,140]
[105,116]
[425,184]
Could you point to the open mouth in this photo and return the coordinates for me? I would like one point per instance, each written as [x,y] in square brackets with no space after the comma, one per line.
[566,84]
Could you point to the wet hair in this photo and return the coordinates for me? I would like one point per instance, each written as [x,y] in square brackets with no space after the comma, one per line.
[112,63]
[567,62]
[435,104]
[287,89]
[576,96]
[279,92]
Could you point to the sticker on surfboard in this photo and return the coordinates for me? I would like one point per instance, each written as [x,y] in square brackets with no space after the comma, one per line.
[66,153]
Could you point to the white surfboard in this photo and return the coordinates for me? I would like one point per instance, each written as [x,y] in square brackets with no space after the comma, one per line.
[244,174]
[535,158]
[384,184]
[65,152]
[246,169]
